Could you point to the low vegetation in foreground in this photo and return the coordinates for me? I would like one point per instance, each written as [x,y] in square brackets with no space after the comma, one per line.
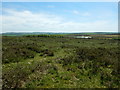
[60,61]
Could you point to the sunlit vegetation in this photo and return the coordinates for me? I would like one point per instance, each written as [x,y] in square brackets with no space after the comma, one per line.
[60,61]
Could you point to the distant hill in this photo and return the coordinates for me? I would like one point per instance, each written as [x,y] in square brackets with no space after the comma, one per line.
[28,33]
[37,33]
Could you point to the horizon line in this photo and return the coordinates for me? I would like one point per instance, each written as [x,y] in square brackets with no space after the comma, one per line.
[61,32]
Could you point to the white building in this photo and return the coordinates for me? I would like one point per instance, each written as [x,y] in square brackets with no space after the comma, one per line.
[87,37]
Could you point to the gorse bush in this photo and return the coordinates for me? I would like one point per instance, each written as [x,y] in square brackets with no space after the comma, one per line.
[103,60]
[96,61]
[17,55]
[15,51]
[103,55]
[14,76]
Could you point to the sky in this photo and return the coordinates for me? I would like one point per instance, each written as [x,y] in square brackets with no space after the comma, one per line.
[59,17]
[60,0]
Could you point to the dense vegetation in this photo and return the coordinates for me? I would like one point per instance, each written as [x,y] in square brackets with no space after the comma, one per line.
[60,61]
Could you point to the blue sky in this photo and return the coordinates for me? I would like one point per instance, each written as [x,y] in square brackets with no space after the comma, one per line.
[60,16]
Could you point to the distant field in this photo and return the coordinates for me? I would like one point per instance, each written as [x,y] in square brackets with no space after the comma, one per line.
[60,61]
[106,35]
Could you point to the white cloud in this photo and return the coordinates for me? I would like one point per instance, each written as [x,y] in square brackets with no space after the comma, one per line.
[76,12]
[86,14]
[26,21]
[81,13]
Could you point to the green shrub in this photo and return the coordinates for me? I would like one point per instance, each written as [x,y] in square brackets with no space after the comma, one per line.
[13,77]
[46,52]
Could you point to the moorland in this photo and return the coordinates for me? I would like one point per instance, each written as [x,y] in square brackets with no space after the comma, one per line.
[60,61]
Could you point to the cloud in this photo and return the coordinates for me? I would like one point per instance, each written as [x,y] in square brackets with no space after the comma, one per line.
[81,13]
[26,21]
[76,12]
[86,14]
